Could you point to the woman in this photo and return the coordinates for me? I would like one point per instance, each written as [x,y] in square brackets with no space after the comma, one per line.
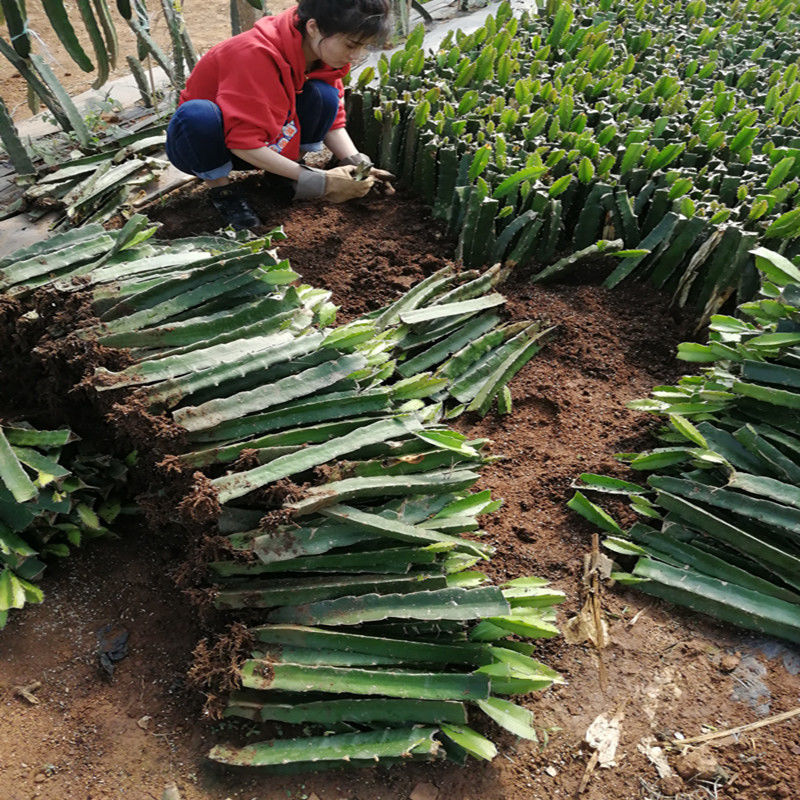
[262,98]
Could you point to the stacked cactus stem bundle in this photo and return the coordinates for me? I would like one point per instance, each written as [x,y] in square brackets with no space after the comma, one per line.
[365,606]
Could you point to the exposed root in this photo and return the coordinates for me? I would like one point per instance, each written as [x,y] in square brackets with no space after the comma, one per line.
[201,598]
[272,519]
[215,670]
[201,506]
[328,473]
[159,509]
[248,459]
[151,432]
[193,572]
[273,496]
[171,465]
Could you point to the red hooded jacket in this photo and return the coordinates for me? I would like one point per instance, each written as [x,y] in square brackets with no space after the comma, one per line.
[254,78]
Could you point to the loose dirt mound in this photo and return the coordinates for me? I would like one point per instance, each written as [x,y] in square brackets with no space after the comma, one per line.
[672,672]
[366,252]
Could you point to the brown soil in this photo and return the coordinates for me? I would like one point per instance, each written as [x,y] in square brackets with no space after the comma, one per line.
[384,246]
[669,671]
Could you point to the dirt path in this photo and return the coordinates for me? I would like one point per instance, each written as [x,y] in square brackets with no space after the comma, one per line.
[92,738]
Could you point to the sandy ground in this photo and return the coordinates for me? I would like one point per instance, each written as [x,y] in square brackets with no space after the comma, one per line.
[208,22]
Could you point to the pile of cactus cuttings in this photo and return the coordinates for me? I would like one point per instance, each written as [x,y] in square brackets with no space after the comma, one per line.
[372,626]
[96,187]
[662,133]
[720,529]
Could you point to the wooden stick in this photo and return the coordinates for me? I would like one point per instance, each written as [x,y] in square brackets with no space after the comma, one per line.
[707,737]
[150,198]
[587,775]
[597,612]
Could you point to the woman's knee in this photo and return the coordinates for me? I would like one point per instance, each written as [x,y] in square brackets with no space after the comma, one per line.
[196,137]
[317,105]
[199,117]
[327,95]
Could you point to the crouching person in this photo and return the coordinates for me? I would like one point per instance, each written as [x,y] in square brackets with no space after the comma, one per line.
[261,99]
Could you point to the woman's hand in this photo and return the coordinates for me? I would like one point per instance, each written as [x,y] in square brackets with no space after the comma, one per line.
[383,178]
[340,185]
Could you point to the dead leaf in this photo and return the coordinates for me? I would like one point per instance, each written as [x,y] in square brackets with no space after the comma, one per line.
[655,755]
[636,617]
[26,692]
[599,564]
[144,722]
[424,791]
[583,628]
[171,792]
[603,736]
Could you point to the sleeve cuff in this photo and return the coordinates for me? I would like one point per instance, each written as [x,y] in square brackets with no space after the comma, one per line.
[310,185]
[355,160]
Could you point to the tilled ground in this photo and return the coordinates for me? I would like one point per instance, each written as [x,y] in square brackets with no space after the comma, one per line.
[666,671]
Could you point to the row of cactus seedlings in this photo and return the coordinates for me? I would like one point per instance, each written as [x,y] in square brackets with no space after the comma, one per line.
[668,126]
[368,618]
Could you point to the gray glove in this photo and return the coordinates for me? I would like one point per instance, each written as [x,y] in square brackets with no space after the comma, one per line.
[310,185]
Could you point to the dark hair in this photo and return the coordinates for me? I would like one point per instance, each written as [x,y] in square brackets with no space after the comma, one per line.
[365,20]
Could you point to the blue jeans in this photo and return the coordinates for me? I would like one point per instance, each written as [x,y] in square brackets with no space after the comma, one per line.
[196,132]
